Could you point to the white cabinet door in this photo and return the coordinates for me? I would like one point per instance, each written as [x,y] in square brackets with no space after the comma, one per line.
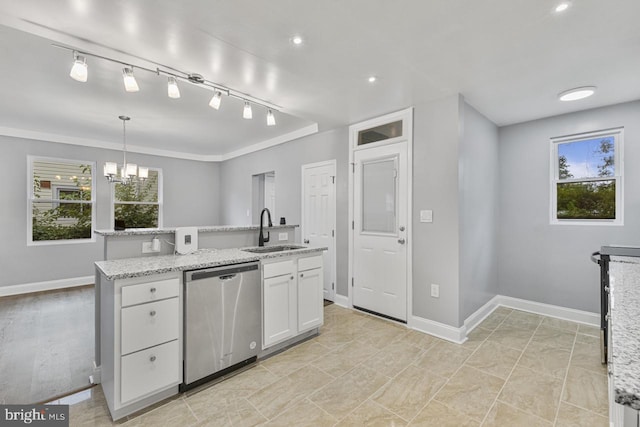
[310,299]
[279,309]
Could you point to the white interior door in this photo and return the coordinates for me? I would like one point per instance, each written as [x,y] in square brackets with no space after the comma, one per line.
[319,216]
[270,193]
[379,237]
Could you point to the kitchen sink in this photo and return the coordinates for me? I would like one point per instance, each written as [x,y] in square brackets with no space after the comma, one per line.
[270,249]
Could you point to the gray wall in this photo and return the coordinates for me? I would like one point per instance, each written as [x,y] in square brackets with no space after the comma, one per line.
[286,161]
[191,194]
[478,197]
[550,263]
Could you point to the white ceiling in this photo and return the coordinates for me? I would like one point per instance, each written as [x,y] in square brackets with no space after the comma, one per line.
[509,58]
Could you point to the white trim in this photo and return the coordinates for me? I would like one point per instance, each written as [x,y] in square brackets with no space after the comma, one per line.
[406,116]
[564,313]
[332,162]
[341,300]
[48,285]
[437,329]
[281,139]
[482,313]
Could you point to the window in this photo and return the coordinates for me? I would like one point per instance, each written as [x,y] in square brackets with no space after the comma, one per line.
[380,133]
[586,184]
[61,200]
[139,204]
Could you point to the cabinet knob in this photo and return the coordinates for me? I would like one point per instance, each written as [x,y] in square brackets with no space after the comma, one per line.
[301,275]
[306,241]
[153,290]
[152,313]
[152,359]
[291,277]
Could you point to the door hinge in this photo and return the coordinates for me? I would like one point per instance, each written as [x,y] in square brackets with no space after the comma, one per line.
[352,282]
[333,286]
[333,233]
[333,179]
[353,168]
[353,225]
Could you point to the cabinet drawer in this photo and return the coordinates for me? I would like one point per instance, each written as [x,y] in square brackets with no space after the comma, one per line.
[150,291]
[149,324]
[309,263]
[149,370]
[275,269]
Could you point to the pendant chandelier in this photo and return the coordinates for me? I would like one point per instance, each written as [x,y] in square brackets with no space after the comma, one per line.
[129,172]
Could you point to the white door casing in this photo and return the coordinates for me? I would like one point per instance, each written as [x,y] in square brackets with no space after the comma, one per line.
[319,216]
[380,224]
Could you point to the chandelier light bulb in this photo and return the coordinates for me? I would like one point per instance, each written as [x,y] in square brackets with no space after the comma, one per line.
[79,70]
[215,100]
[247,113]
[173,91]
[130,83]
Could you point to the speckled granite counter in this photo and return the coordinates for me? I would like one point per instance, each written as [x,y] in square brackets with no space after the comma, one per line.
[201,229]
[625,329]
[204,258]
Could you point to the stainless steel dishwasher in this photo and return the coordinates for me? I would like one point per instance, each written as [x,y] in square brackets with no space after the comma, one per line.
[222,327]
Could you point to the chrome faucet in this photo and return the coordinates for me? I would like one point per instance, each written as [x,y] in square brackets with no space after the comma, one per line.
[261,239]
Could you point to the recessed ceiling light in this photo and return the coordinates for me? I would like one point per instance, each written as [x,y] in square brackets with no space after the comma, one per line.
[562,7]
[372,79]
[577,93]
[297,40]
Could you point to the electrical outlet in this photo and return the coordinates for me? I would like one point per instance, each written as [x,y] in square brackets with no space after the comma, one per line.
[283,236]
[435,291]
[147,247]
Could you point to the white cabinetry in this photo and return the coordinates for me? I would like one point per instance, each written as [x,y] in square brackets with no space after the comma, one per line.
[292,301]
[140,341]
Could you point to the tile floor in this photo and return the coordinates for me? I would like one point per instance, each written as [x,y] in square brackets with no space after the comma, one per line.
[517,369]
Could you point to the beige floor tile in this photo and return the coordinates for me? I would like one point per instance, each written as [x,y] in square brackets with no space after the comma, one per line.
[335,338]
[589,330]
[470,392]
[393,359]
[418,339]
[476,338]
[565,325]
[494,320]
[443,358]
[175,413]
[533,392]
[511,336]
[212,402]
[275,398]
[571,416]
[295,358]
[545,359]
[247,382]
[239,414]
[92,413]
[554,337]
[381,336]
[344,358]
[437,414]
[494,359]
[523,319]
[303,414]
[409,392]
[502,415]
[587,389]
[345,393]
[503,310]
[371,414]
[593,341]
[587,356]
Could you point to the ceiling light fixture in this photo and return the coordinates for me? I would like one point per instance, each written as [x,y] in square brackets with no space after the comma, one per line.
[130,83]
[173,91]
[297,40]
[79,69]
[247,113]
[372,79]
[129,172]
[562,7]
[577,93]
[216,99]
[271,119]
[174,75]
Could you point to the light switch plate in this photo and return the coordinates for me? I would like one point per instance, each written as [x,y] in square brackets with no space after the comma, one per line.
[283,236]
[426,216]
[435,291]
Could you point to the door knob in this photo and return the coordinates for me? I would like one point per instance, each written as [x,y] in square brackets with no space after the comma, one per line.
[402,228]
[306,241]
[401,241]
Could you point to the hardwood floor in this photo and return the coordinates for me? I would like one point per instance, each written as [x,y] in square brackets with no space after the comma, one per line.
[46,344]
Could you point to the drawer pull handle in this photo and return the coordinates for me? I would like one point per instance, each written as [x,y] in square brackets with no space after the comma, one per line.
[152,359]
[152,313]
[153,290]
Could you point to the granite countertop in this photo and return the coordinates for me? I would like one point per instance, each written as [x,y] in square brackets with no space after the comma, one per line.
[204,258]
[201,229]
[624,273]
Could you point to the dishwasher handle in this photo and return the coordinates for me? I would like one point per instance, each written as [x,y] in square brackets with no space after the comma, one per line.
[224,273]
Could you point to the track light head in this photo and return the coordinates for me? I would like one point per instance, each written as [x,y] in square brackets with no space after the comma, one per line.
[247,113]
[130,83]
[79,70]
[173,91]
[271,119]
[216,100]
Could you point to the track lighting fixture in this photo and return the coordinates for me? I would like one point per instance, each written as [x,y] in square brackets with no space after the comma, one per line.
[79,69]
[215,100]
[79,73]
[130,83]
[172,88]
[271,119]
[247,113]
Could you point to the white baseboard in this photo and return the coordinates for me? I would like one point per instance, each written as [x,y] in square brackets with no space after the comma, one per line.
[482,313]
[437,329]
[50,285]
[579,316]
[341,300]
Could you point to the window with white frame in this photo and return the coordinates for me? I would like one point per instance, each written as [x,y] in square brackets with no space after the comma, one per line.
[138,204]
[586,182]
[61,200]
